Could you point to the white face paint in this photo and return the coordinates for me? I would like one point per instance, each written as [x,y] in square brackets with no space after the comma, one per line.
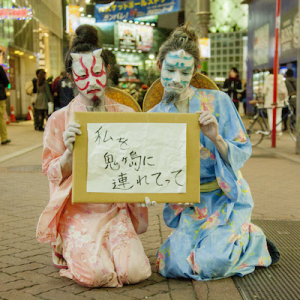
[89,74]
[177,71]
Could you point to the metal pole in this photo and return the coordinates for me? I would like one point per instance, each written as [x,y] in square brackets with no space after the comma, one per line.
[298,92]
[204,17]
[276,63]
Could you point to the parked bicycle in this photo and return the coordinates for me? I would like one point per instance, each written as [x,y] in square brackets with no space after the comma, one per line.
[259,128]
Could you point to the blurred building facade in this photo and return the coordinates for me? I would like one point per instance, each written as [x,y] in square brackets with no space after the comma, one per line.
[31,43]
[261,41]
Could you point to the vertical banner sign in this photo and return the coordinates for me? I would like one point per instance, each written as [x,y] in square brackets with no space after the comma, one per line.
[261,45]
[289,34]
[131,9]
[12,74]
[42,53]
[72,17]
[204,47]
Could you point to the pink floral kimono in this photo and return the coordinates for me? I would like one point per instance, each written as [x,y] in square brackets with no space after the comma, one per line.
[100,242]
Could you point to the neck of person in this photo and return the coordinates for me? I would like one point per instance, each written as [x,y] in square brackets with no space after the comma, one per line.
[183,103]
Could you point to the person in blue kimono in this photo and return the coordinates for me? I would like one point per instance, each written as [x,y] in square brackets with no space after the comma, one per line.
[215,238]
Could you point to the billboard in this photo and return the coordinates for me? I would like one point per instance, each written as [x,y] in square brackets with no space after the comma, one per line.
[129,10]
[204,47]
[289,34]
[131,36]
[72,16]
[261,45]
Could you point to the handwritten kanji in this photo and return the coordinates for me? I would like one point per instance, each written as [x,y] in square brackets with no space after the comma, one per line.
[122,183]
[109,161]
[98,137]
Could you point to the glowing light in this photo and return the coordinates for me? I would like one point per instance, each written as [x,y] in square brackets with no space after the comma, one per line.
[151,56]
[21,53]
[140,51]
[31,57]
[17,52]
[152,24]
[81,9]
[116,49]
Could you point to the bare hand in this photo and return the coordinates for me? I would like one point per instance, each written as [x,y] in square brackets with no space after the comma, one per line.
[209,125]
[69,136]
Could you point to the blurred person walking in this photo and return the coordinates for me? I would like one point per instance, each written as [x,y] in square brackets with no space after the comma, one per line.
[291,85]
[233,86]
[282,94]
[55,91]
[3,85]
[31,90]
[66,91]
[44,96]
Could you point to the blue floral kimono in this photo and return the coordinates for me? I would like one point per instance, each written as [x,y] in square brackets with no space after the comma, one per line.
[215,239]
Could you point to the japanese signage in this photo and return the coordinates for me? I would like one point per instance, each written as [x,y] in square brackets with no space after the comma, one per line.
[131,36]
[125,157]
[12,74]
[289,34]
[42,52]
[16,13]
[72,18]
[129,73]
[144,39]
[120,10]
[261,45]
[122,162]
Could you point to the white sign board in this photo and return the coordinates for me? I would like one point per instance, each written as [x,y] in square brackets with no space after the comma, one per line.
[153,160]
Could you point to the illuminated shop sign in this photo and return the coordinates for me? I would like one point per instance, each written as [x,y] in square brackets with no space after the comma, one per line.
[131,9]
[15,13]
[131,36]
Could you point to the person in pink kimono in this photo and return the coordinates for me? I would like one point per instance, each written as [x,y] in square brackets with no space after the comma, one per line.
[93,244]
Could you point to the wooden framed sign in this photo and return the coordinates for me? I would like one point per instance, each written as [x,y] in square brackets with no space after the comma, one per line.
[125,157]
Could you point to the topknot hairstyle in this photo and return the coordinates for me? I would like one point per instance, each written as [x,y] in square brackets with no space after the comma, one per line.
[86,40]
[181,38]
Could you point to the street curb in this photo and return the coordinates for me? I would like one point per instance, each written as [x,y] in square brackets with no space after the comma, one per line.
[21,152]
[286,156]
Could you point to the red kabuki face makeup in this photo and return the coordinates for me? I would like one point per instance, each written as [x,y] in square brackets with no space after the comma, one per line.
[89,74]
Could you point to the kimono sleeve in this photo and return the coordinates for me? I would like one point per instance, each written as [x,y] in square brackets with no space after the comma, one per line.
[53,149]
[232,130]
[171,214]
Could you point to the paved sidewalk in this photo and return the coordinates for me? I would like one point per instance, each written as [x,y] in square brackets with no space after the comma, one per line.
[23,139]
[26,271]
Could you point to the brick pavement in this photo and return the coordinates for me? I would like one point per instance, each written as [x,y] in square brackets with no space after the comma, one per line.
[26,271]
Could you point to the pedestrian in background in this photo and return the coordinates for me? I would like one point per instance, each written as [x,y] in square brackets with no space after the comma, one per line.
[3,85]
[66,91]
[233,86]
[291,85]
[31,90]
[44,97]
[55,91]
[282,94]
